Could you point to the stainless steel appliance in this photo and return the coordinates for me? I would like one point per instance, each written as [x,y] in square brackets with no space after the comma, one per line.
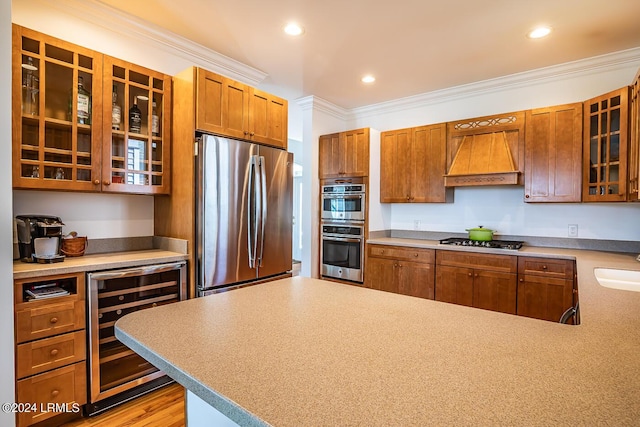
[495,244]
[116,373]
[342,251]
[244,208]
[343,202]
[39,238]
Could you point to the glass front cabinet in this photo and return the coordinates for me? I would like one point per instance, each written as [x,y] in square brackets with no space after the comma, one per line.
[56,140]
[136,120]
[606,127]
[65,135]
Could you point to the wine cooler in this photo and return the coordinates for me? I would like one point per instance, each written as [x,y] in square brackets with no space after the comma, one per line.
[117,373]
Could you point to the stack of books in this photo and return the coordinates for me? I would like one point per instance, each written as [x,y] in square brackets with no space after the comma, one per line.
[46,291]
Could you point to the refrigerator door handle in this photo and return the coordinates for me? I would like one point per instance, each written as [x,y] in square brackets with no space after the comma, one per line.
[252,209]
[263,219]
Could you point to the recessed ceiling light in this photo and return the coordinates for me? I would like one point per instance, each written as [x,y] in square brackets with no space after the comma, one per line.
[368,79]
[293,29]
[539,32]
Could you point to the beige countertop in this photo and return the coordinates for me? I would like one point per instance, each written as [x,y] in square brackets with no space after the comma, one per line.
[306,352]
[23,270]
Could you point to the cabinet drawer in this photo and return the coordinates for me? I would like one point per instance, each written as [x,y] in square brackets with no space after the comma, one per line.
[560,268]
[67,385]
[502,263]
[47,320]
[49,353]
[403,253]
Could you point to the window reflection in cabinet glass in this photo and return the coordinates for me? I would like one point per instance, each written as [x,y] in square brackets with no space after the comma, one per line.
[137,155]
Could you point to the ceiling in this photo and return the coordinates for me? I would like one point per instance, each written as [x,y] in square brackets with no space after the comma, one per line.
[411,46]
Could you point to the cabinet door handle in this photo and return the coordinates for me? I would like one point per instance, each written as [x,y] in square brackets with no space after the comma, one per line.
[246,132]
[54,352]
[106,182]
[526,196]
[544,267]
[469,274]
[475,275]
[53,320]
[252,134]
[96,182]
[521,280]
[55,392]
[416,255]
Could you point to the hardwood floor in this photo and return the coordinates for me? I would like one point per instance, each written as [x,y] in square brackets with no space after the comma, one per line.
[164,407]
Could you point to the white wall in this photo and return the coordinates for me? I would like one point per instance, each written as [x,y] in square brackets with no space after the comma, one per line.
[97,216]
[6,234]
[503,208]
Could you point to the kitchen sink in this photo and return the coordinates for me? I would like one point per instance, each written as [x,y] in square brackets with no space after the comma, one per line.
[628,280]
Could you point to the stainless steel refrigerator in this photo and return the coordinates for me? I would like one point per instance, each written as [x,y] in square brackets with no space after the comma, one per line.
[244,205]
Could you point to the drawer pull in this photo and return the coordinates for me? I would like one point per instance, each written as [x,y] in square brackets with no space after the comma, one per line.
[54,352]
[544,267]
[53,320]
[118,312]
[55,392]
[121,298]
[416,254]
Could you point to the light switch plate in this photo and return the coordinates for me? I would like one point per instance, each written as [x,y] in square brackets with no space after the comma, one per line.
[573,230]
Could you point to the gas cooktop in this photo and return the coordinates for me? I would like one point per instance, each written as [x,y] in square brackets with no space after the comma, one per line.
[495,244]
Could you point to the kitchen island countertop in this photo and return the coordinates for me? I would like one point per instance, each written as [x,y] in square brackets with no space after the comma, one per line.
[303,351]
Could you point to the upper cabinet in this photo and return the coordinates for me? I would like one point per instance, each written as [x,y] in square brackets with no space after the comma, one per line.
[553,154]
[136,153]
[606,139]
[344,154]
[56,113]
[412,165]
[72,126]
[230,108]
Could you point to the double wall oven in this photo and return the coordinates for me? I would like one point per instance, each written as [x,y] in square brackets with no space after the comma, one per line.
[342,231]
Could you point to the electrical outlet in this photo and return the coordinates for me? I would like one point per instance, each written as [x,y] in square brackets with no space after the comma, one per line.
[416,224]
[573,230]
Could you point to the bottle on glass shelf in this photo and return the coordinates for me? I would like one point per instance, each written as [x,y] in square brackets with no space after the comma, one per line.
[29,88]
[116,111]
[135,117]
[155,120]
[84,103]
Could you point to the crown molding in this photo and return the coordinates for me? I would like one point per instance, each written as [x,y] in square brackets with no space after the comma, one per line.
[100,14]
[315,103]
[583,67]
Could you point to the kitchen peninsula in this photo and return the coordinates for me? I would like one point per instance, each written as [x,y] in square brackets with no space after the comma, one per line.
[303,351]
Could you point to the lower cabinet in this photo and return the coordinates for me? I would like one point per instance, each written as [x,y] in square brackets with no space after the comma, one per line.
[477,280]
[51,369]
[546,287]
[403,270]
[542,288]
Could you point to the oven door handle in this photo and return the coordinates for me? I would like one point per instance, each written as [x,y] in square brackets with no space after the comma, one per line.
[342,196]
[342,239]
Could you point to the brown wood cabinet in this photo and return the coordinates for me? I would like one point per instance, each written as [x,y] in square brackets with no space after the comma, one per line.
[52,148]
[231,108]
[546,287]
[56,146]
[477,280]
[412,165]
[606,141]
[553,154]
[136,160]
[633,189]
[344,154]
[50,346]
[403,270]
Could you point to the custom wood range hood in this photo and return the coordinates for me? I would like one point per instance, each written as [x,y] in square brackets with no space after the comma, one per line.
[485,151]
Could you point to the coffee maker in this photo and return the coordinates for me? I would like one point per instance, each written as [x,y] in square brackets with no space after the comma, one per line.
[39,238]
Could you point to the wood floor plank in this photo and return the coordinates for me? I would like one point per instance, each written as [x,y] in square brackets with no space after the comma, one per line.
[163,407]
